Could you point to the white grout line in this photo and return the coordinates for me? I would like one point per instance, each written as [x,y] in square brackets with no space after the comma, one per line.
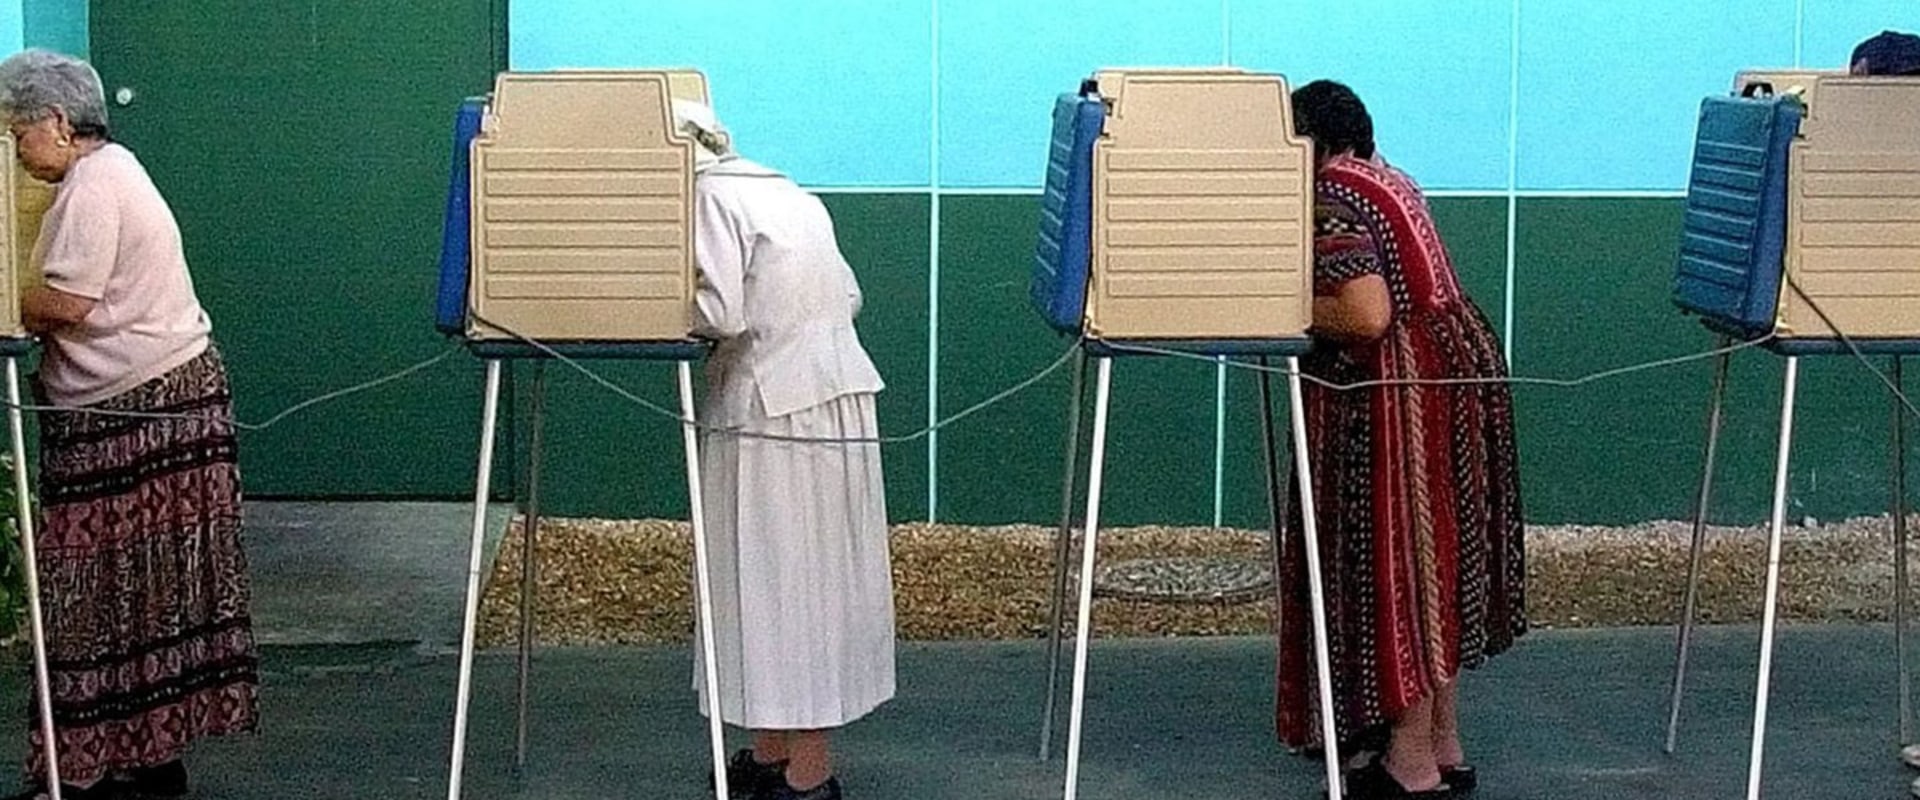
[1799,33]
[1220,369]
[1601,194]
[830,189]
[1019,191]
[961,191]
[1226,33]
[1219,437]
[1513,180]
[933,273]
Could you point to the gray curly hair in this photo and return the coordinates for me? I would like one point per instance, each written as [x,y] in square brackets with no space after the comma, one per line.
[33,83]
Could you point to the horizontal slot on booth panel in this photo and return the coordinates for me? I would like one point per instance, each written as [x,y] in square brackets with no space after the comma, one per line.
[1734,154]
[1207,259]
[1859,234]
[549,286]
[584,209]
[635,261]
[626,183]
[1717,296]
[1051,223]
[1889,209]
[501,158]
[615,235]
[1187,234]
[1160,319]
[1719,200]
[1861,184]
[1857,317]
[600,320]
[1719,210]
[1203,184]
[1728,236]
[1212,209]
[1859,284]
[1859,259]
[1742,181]
[1714,273]
[1123,159]
[1713,269]
[1816,162]
[1246,285]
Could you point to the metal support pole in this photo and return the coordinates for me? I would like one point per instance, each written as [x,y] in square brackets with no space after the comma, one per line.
[1063,550]
[1900,588]
[1096,468]
[1316,587]
[464,694]
[23,508]
[1773,581]
[1701,508]
[529,560]
[1276,481]
[703,582]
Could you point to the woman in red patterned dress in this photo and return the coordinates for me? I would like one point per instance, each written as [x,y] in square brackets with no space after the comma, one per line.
[1417,487]
[143,576]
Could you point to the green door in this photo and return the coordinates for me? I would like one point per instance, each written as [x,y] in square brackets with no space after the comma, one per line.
[304,148]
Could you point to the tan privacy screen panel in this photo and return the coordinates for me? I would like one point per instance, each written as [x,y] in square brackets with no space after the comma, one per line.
[1853,210]
[24,201]
[1202,209]
[687,84]
[582,209]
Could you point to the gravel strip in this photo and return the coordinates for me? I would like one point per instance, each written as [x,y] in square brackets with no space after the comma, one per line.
[630,581]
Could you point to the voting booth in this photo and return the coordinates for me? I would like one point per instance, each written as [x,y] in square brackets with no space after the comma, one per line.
[1177,205]
[1804,198]
[1176,219]
[1801,233]
[568,234]
[577,195]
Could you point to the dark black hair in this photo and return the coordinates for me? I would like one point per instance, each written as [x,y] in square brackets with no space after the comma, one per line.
[1333,116]
[1890,53]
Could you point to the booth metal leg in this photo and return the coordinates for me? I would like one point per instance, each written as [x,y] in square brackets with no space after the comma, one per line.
[23,508]
[1900,588]
[482,486]
[1316,588]
[1773,581]
[703,582]
[1063,549]
[1088,547]
[529,561]
[1276,481]
[1701,508]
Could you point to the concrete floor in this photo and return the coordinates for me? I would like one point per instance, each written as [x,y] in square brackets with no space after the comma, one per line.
[359,603]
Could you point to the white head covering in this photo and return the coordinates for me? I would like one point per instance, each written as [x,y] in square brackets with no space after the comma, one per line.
[689,118]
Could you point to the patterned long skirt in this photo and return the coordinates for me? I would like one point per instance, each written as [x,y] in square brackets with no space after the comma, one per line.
[1418,501]
[143,579]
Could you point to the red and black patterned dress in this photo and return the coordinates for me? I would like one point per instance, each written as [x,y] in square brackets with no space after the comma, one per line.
[1417,486]
[143,576]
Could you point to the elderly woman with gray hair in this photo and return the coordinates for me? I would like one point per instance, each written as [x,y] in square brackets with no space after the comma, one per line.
[143,577]
[795,500]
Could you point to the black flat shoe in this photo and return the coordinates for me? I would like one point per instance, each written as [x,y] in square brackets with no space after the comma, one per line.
[162,782]
[1460,778]
[826,791]
[101,791]
[747,778]
[1374,782]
